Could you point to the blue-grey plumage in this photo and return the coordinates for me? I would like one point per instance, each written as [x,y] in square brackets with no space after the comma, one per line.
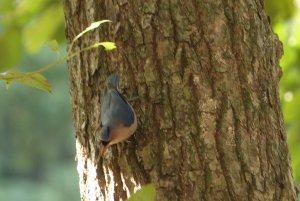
[112,81]
[117,116]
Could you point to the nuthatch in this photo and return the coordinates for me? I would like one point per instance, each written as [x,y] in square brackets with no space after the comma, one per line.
[118,117]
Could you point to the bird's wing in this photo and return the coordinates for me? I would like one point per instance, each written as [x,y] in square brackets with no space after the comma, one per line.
[105,108]
[115,109]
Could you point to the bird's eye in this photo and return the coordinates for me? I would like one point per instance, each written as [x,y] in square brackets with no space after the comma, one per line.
[104,143]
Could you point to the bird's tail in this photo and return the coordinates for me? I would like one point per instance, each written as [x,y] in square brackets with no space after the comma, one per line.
[112,81]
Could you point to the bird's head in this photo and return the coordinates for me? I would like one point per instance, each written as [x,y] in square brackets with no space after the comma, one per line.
[112,81]
[104,137]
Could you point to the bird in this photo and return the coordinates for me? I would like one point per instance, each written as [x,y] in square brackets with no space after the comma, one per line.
[118,118]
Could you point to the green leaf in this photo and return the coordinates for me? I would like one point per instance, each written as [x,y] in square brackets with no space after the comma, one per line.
[93,26]
[107,45]
[53,45]
[36,80]
[146,193]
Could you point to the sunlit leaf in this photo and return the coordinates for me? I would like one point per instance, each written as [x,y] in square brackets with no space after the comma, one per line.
[146,193]
[107,45]
[93,26]
[53,45]
[36,80]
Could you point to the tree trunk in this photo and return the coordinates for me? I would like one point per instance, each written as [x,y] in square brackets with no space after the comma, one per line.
[205,77]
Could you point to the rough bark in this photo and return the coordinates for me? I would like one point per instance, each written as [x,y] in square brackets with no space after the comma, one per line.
[206,75]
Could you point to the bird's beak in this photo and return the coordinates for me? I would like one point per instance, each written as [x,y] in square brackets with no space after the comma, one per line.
[103,149]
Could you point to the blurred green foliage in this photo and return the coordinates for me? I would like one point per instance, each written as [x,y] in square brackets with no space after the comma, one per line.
[285,17]
[27,25]
[37,143]
[280,11]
